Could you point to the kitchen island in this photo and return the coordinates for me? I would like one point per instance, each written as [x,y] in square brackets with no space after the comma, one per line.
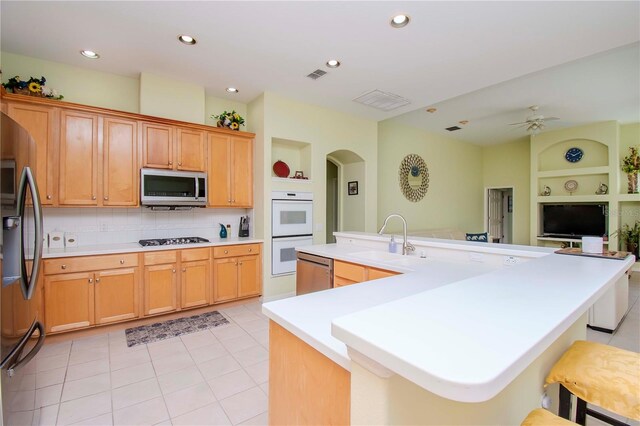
[463,336]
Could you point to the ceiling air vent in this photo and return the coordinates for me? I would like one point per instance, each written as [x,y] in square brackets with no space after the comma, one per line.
[316,74]
[453,128]
[382,100]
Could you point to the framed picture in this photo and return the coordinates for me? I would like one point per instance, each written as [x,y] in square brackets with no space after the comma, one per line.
[353,187]
[299,174]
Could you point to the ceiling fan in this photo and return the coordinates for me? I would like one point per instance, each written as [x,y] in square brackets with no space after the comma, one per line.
[535,122]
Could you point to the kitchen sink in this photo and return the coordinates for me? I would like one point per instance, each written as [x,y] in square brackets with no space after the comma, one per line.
[381,256]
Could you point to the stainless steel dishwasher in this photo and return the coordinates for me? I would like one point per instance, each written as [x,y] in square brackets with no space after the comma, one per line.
[313,273]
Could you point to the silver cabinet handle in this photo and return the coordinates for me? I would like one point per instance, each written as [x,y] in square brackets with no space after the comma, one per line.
[249,250]
[179,164]
[122,261]
[229,200]
[49,197]
[27,180]
[106,198]
[93,197]
[173,270]
[90,280]
[63,267]
[171,163]
[233,201]
[226,252]
[240,263]
[97,280]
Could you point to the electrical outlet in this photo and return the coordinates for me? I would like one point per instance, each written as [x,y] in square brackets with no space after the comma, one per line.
[510,260]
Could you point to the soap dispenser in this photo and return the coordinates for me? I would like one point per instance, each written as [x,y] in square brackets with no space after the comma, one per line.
[223,231]
[392,245]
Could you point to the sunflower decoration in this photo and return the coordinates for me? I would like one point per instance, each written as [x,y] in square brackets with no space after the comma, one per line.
[33,87]
[232,120]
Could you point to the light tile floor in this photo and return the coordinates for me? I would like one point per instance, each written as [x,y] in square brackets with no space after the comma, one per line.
[213,377]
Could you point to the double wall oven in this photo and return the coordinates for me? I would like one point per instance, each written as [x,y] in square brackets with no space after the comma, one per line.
[21,321]
[291,227]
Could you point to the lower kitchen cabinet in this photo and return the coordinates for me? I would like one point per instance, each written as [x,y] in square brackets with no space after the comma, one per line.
[195,283]
[237,272]
[116,295]
[160,289]
[346,273]
[69,301]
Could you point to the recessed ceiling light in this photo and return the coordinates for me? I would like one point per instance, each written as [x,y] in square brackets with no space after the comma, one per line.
[399,21]
[463,122]
[431,110]
[232,90]
[333,63]
[89,54]
[187,39]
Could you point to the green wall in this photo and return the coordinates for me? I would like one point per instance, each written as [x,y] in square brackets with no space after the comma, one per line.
[454,199]
[79,85]
[508,165]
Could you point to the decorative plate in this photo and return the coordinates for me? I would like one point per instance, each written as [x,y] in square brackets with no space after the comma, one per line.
[281,169]
[571,185]
[413,165]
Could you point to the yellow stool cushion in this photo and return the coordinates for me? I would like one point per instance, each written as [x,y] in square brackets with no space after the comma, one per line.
[603,375]
[542,417]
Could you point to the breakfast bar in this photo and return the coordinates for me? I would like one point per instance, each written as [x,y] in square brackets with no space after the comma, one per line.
[465,335]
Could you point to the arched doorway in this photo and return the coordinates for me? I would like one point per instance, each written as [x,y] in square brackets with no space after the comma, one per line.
[345,190]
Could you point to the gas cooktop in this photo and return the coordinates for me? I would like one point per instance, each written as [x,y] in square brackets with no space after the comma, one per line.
[172,241]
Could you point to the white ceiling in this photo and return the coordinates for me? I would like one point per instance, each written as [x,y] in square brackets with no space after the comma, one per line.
[449,49]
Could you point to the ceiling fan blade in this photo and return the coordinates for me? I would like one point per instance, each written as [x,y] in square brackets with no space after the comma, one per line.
[550,118]
[521,123]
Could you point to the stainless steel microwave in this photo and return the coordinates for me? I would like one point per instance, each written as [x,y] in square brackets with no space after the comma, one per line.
[170,188]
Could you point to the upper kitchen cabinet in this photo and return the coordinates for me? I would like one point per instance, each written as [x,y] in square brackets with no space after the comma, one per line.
[230,171]
[78,158]
[43,125]
[173,148]
[119,162]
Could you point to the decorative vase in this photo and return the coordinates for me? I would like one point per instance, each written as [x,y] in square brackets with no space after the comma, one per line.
[632,187]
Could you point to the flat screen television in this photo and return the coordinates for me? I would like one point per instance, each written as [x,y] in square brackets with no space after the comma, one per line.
[574,220]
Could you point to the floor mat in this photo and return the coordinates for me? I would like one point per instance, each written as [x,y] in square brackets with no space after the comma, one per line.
[173,328]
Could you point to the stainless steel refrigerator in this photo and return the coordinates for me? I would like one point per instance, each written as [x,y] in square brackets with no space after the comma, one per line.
[21,321]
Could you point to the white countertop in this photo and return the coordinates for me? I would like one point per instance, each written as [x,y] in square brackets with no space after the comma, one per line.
[135,247]
[463,331]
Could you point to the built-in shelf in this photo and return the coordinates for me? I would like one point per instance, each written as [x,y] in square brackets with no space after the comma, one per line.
[296,154]
[574,198]
[629,197]
[291,180]
[575,172]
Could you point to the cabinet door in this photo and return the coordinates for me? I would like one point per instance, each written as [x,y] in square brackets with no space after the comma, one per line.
[68,301]
[241,172]
[78,158]
[116,295]
[160,289]
[191,151]
[195,283]
[225,279]
[42,124]
[157,146]
[375,273]
[249,276]
[219,175]
[120,162]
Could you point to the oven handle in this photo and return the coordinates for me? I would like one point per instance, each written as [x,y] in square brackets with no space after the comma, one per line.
[197,187]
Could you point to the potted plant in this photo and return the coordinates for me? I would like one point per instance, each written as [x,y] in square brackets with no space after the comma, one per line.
[32,87]
[630,237]
[232,120]
[631,166]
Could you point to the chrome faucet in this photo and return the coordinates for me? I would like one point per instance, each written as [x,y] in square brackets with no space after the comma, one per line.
[406,245]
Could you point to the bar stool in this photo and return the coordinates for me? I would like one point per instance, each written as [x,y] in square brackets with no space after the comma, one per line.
[542,417]
[598,374]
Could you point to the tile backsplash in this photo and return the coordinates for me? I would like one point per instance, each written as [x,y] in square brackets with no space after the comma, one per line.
[94,226]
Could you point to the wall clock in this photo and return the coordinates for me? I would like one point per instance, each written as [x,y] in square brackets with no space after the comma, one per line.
[573,155]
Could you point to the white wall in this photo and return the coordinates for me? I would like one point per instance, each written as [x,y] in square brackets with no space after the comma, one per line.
[178,100]
[353,206]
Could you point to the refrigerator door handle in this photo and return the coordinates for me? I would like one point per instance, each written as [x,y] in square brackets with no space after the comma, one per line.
[27,181]
[17,351]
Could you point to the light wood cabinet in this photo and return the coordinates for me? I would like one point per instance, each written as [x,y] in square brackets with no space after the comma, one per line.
[173,148]
[116,295]
[237,272]
[69,301]
[230,171]
[119,162]
[190,149]
[160,288]
[195,284]
[78,158]
[78,295]
[346,273]
[42,123]
[157,146]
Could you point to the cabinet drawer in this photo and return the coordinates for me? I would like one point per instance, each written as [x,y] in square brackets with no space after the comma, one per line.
[89,263]
[195,254]
[239,250]
[341,282]
[160,257]
[349,271]
[375,273]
